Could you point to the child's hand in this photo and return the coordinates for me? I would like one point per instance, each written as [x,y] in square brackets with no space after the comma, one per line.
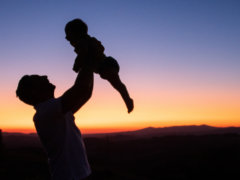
[130,105]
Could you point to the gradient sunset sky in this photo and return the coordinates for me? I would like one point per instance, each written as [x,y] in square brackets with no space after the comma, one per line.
[180,60]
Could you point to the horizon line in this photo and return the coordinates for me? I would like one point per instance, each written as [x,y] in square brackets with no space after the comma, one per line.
[103,130]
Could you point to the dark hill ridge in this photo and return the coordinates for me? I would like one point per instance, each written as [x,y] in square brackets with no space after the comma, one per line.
[21,140]
[173,131]
[13,140]
[180,152]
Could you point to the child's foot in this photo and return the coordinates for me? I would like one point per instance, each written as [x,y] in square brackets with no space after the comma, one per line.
[130,105]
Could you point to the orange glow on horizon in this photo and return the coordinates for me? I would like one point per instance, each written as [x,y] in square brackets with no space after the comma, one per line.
[159,107]
[86,130]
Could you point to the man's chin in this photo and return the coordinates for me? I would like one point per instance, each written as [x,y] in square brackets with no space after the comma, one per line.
[53,90]
[52,86]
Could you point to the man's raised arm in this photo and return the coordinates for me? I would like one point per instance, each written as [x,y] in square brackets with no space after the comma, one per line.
[74,98]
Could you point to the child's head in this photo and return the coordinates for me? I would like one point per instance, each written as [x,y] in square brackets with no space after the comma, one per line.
[75,29]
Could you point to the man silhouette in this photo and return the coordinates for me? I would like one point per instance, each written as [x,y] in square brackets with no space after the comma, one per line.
[54,122]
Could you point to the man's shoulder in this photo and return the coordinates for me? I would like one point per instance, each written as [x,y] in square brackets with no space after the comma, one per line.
[50,105]
[50,102]
[49,111]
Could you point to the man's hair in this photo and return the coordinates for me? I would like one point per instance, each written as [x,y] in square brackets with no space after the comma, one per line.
[26,89]
[76,26]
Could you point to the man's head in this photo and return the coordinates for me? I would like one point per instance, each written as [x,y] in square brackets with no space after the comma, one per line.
[33,89]
[74,30]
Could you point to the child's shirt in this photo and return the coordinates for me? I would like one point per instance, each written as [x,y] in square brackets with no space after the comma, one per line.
[89,50]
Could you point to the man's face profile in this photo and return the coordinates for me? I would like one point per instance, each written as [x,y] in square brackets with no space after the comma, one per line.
[33,89]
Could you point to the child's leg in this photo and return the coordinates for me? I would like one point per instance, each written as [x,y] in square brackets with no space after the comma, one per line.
[112,76]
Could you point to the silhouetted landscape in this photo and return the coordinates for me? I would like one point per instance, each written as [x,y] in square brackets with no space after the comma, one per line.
[181,152]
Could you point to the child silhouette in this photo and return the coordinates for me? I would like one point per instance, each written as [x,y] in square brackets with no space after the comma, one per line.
[90,51]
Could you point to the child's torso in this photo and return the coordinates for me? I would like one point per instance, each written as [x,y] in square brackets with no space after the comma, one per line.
[93,50]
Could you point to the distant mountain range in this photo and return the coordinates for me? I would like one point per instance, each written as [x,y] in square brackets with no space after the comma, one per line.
[174,131]
[19,139]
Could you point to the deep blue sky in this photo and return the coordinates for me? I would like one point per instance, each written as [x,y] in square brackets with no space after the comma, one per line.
[150,35]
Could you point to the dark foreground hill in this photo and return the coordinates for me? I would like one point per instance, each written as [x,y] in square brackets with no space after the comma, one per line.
[116,157]
[170,131]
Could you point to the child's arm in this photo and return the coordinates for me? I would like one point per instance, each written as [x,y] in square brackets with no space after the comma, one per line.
[114,79]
